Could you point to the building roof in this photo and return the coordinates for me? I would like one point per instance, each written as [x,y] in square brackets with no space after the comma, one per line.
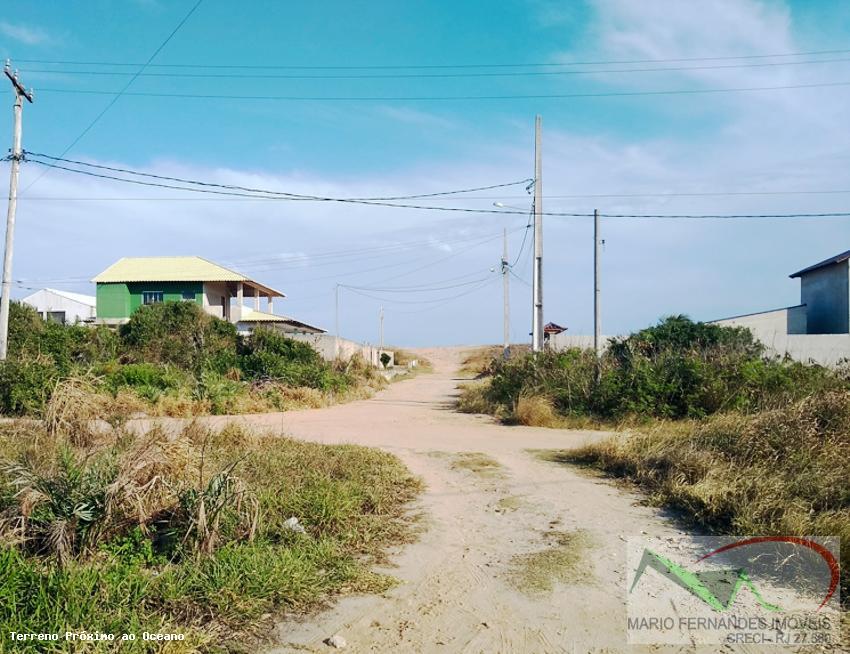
[88,300]
[252,315]
[174,269]
[553,328]
[838,258]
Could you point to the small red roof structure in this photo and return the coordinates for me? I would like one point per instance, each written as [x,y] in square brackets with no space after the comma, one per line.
[553,328]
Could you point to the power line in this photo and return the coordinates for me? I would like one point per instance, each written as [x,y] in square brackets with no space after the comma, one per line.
[412,289]
[248,189]
[123,90]
[439,66]
[452,298]
[280,195]
[454,75]
[474,197]
[464,98]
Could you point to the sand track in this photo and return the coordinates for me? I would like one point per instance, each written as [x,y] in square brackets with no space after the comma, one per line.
[456,594]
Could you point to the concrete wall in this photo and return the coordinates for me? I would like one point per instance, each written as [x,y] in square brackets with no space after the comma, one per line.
[325,345]
[789,320]
[825,349]
[564,341]
[215,299]
[826,294]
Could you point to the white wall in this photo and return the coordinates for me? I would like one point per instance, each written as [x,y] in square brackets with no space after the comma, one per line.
[564,341]
[325,345]
[788,320]
[45,301]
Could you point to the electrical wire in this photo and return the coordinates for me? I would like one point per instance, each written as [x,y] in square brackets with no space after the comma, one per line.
[811,53]
[413,289]
[450,299]
[463,98]
[279,195]
[371,76]
[249,189]
[122,91]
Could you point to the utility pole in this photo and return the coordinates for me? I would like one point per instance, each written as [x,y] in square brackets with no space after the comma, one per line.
[336,320]
[16,156]
[597,309]
[537,280]
[506,268]
[381,317]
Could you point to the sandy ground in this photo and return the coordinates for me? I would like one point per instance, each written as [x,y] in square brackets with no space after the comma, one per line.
[455,593]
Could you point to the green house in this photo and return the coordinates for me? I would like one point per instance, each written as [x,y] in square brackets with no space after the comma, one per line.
[133,282]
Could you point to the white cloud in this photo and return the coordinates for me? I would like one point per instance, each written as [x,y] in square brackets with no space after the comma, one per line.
[24,33]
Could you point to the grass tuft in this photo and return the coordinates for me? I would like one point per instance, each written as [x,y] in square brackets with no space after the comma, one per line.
[563,561]
[478,463]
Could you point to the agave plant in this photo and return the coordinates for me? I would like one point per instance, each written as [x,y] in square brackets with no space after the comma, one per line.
[225,507]
[60,512]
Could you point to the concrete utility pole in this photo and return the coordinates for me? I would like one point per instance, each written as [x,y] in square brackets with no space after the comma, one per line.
[597,309]
[381,331]
[336,320]
[537,280]
[506,268]
[17,155]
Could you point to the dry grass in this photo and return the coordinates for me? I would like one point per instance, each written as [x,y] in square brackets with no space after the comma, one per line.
[473,398]
[476,362]
[186,531]
[563,562]
[535,411]
[478,463]
[782,472]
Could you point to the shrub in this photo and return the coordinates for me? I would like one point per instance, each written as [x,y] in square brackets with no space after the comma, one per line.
[26,385]
[676,369]
[65,345]
[181,334]
[268,355]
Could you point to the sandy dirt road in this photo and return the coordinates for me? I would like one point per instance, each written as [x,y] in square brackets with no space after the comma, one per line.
[455,593]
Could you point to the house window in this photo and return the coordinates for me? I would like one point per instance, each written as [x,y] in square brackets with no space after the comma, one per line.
[152,297]
[56,316]
[189,296]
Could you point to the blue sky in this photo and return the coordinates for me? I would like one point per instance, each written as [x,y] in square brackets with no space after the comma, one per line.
[794,139]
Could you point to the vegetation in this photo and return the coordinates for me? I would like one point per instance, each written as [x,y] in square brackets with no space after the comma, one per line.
[201,533]
[170,359]
[676,369]
[563,560]
[782,471]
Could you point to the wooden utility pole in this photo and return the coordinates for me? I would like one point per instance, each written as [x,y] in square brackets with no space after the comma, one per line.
[506,268]
[16,156]
[597,308]
[381,318]
[537,280]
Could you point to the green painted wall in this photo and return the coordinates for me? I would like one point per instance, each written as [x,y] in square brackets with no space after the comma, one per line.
[115,301]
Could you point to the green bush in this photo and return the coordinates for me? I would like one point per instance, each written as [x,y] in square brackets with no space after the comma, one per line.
[26,385]
[268,355]
[65,345]
[676,369]
[148,380]
[181,334]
